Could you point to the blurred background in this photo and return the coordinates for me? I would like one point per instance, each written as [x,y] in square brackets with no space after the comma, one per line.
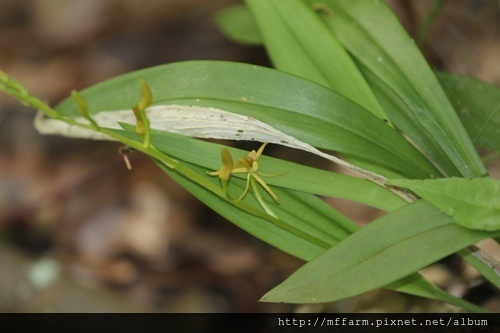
[81,233]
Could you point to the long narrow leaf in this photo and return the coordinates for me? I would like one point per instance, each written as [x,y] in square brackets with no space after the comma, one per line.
[371,32]
[299,43]
[298,107]
[394,104]
[396,250]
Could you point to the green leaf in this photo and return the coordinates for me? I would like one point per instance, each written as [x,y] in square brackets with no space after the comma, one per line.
[394,66]
[238,24]
[473,203]
[478,106]
[298,107]
[388,249]
[299,43]
[393,104]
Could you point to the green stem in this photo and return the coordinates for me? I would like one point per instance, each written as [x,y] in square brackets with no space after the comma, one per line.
[14,88]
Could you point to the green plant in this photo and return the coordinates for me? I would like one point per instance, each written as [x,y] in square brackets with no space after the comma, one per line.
[349,79]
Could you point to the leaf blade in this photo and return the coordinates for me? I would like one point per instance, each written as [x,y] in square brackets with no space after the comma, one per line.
[421,242]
